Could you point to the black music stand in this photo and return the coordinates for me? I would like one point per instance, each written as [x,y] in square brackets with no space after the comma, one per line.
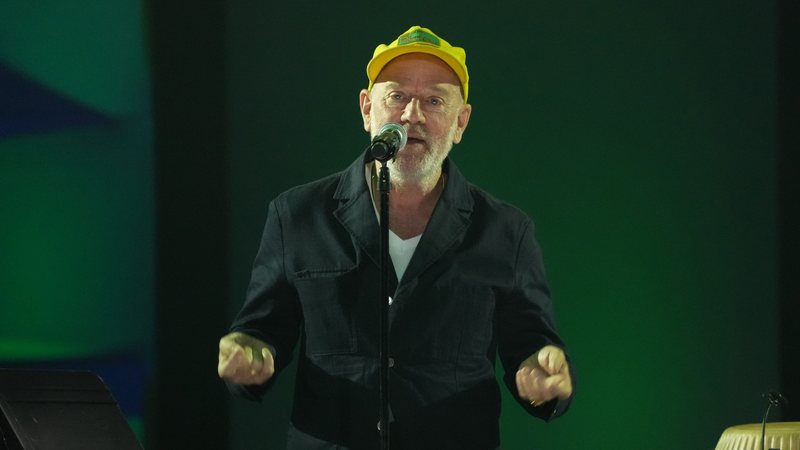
[63,410]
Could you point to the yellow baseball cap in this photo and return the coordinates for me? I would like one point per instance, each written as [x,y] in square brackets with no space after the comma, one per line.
[420,40]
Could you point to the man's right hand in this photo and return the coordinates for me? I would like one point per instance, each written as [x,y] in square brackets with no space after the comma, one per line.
[244,359]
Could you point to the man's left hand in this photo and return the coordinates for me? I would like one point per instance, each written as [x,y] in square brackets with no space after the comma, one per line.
[544,376]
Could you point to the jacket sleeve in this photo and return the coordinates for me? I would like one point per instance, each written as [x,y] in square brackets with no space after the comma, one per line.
[525,322]
[271,310]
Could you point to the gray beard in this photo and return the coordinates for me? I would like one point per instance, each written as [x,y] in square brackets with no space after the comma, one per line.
[425,171]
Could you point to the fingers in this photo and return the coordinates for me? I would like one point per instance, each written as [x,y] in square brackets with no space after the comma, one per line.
[257,359]
[536,386]
[230,359]
[245,365]
[227,345]
[563,387]
[544,376]
[525,388]
[242,363]
[552,359]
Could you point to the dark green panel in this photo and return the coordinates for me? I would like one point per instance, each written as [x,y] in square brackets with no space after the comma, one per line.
[76,274]
[789,180]
[94,52]
[189,408]
[76,207]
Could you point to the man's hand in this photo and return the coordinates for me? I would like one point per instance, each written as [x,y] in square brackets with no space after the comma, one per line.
[244,359]
[544,376]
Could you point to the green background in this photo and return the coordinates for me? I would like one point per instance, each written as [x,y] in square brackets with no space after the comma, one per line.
[77,229]
[641,137]
[77,203]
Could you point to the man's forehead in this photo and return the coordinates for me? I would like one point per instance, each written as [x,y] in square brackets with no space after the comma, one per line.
[414,68]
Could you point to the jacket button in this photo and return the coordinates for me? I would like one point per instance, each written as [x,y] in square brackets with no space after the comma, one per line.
[391,300]
[391,362]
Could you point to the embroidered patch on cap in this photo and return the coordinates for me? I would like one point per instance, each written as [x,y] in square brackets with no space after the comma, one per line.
[418,36]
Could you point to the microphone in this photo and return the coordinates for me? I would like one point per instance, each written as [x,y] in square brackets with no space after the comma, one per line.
[389,140]
[775,398]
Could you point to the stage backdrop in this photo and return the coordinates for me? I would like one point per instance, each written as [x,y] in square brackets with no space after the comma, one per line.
[641,138]
[76,193]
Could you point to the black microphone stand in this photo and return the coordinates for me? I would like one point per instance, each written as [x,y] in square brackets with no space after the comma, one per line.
[383,424]
[391,138]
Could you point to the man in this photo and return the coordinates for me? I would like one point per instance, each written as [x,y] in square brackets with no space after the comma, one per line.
[468,285]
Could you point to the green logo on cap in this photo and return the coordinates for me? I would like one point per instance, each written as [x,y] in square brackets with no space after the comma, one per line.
[418,36]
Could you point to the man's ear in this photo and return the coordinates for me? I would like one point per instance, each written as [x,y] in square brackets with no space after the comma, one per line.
[463,120]
[365,104]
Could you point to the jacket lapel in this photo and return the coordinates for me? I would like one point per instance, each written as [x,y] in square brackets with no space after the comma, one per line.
[356,212]
[447,225]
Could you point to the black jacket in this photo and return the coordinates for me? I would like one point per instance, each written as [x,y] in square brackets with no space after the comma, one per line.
[475,287]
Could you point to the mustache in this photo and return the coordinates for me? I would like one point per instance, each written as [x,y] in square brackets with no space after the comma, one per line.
[417,132]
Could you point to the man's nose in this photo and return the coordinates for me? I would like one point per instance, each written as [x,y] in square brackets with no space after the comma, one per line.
[413,112]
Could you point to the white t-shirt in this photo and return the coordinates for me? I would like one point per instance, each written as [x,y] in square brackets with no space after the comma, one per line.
[400,250]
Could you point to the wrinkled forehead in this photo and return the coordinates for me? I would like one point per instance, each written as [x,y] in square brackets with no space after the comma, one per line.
[420,69]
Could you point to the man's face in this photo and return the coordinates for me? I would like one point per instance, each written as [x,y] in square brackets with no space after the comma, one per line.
[421,92]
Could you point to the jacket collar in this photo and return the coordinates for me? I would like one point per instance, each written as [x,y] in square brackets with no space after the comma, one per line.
[446,227]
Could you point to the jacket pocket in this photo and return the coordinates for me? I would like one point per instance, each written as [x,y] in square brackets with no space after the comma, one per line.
[477,319]
[328,299]
[464,314]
